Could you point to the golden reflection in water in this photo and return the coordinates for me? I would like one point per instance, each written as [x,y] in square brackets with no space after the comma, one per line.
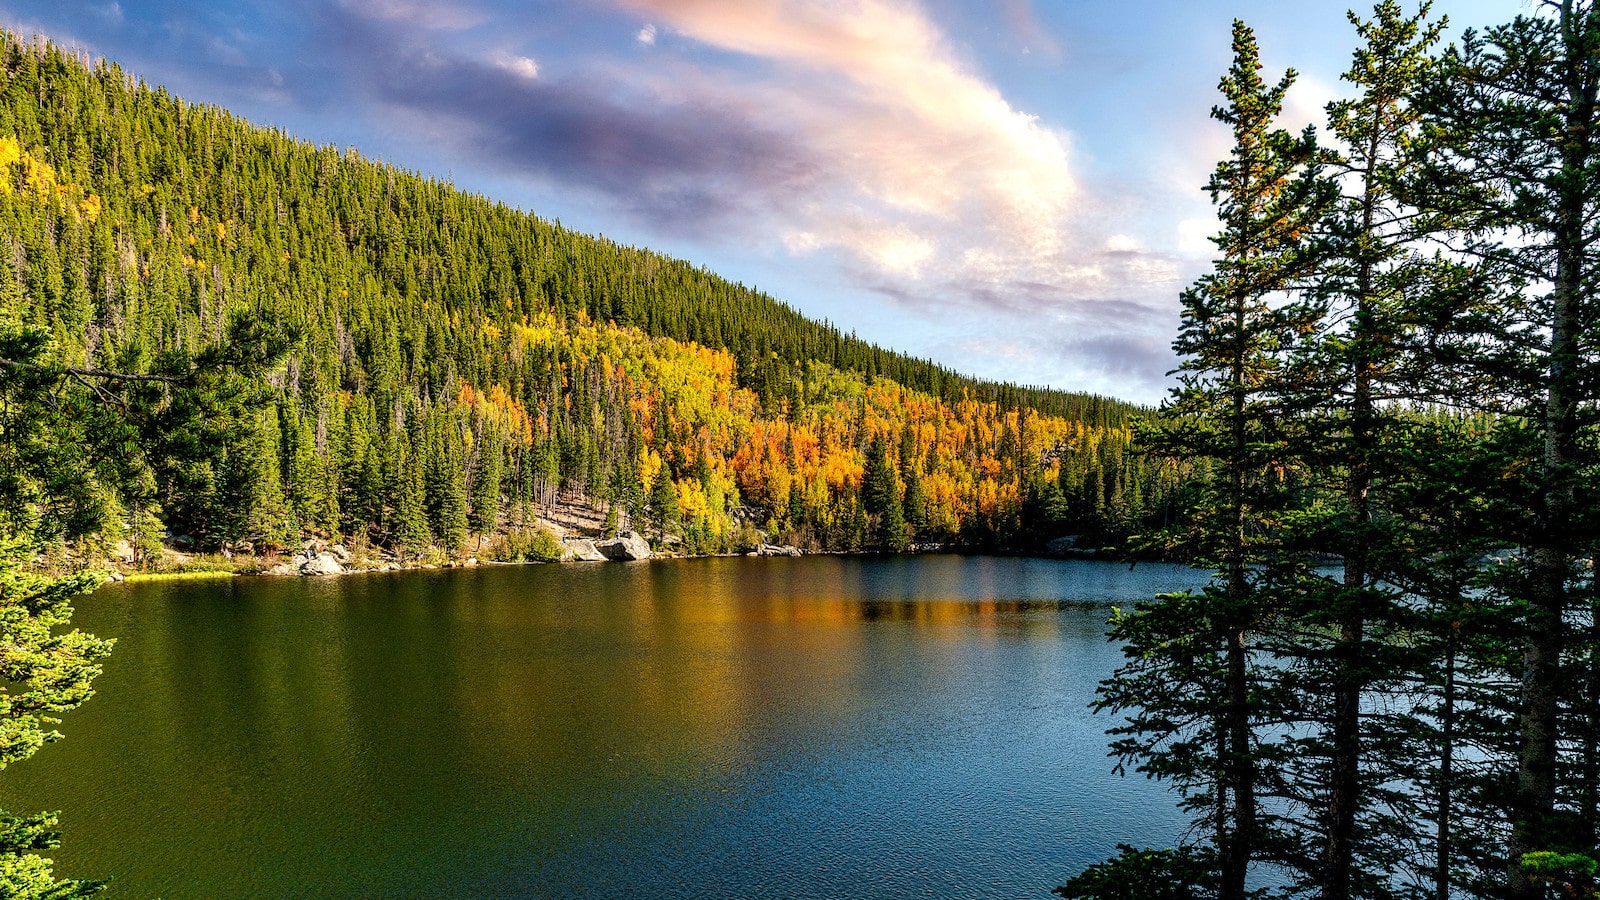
[702,660]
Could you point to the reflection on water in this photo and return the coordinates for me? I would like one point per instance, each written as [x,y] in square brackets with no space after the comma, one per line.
[816,727]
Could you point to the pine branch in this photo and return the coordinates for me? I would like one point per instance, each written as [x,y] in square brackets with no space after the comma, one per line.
[81,374]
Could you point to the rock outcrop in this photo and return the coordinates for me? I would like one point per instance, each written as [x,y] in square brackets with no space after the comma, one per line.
[1063,544]
[321,564]
[302,564]
[626,546]
[581,550]
[777,550]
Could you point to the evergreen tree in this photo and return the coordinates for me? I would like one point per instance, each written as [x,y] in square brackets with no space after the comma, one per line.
[1344,381]
[446,484]
[1196,687]
[627,495]
[368,510]
[486,483]
[916,502]
[664,511]
[880,498]
[411,532]
[254,490]
[48,672]
[313,506]
[1513,147]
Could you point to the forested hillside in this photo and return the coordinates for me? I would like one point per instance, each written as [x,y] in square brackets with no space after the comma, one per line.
[455,365]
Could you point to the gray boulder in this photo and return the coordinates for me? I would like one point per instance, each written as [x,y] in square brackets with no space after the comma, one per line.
[627,545]
[1063,544]
[582,550]
[321,564]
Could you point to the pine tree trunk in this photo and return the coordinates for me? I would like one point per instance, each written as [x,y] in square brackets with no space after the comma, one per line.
[1534,803]
[1551,563]
[1447,736]
[1345,776]
[1345,783]
[1536,783]
[1240,769]
[1237,763]
[1589,789]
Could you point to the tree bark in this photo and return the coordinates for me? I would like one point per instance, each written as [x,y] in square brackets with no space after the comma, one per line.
[1345,776]
[1237,761]
[1444,810]
[1551,565]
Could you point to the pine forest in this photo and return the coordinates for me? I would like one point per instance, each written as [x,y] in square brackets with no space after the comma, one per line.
[456,367]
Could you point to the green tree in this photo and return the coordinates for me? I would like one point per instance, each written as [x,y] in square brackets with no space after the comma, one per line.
[486,483]
[446,483]
[253,488]
[880,498]
[1345,381]
[1512,150]
[1196,686]
[312,495]
[411,533]
[48,671]
[664,512]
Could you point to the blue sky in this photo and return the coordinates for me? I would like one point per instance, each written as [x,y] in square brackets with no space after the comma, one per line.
[1010,187]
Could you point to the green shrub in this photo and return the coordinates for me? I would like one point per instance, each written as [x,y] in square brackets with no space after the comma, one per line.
[527,545]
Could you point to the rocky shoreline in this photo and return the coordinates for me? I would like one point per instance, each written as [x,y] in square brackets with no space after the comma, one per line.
[317,558]
[570,542]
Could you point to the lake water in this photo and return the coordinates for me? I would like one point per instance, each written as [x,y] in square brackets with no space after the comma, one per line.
[796,728]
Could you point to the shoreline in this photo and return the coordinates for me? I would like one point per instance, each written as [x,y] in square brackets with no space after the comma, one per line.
[252,566]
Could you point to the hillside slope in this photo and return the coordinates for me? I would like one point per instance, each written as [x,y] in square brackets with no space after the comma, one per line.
[458,362]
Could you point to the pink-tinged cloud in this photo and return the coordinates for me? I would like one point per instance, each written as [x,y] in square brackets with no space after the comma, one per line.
[929,186]
[932,172]
[421,13]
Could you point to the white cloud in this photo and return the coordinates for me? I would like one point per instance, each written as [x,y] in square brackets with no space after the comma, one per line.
[647,35]
[937,166]
[432,16]
[897,249]
[1194,236]
[1306,104]
[521,66]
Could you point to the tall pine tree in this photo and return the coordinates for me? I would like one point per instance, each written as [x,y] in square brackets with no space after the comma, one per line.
[1196,687]
[1514,159]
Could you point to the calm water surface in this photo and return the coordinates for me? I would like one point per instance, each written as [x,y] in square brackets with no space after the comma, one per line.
[816,727]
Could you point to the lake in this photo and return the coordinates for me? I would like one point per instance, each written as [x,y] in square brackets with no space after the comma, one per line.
[799,728]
